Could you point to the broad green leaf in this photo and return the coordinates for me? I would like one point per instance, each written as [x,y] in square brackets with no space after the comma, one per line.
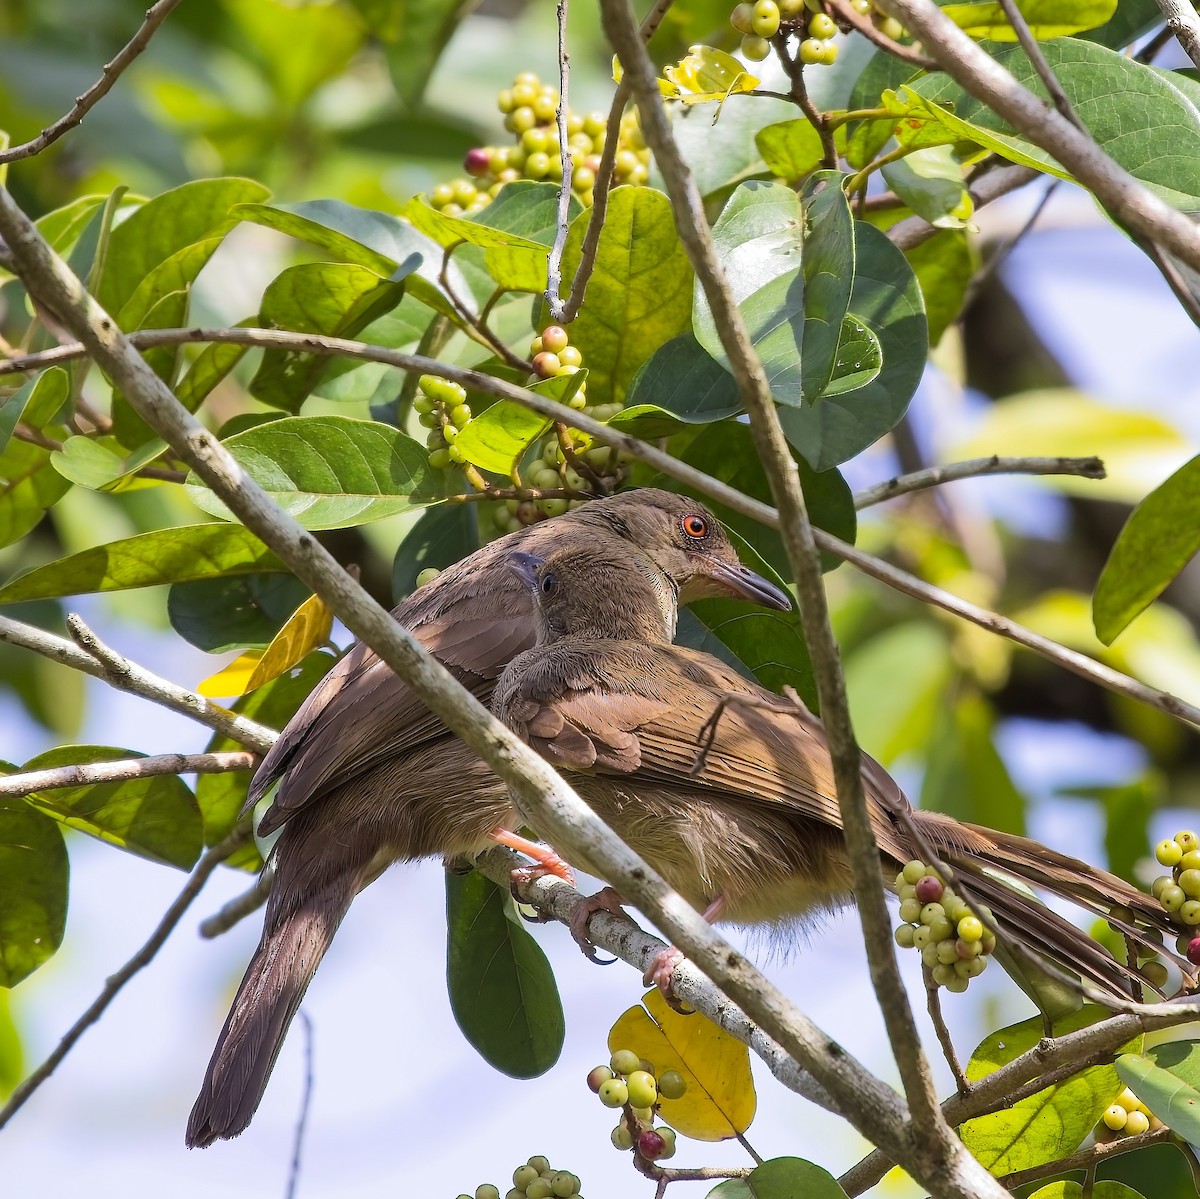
[376,240]
[51,694]
[531,210]
[944,264]
[1105,1188]
[236,612]
[35,402]
[1166,1078]
[29,485]
[336,299]
[781,1178]
[720,1100]
[62,226]
[12,1057]
[791,149]
[685,380]
[191,213]
[155,817]
[307,629]
[103,463]
[420,31]
[496,439]
[502,990]
[828,265]
[222,796]
[329,472]
[1050,1124]
[887,299]
[707,74]
[1159,539]
[441,536]
[1139,449]
[640,294]
[858,360]
[1135,114]
[932,184]
[1046,18]
[33,888]
[210,367]
[164,556]
[1132,20]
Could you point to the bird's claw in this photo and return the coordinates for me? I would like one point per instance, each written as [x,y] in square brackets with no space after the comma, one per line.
[605,900]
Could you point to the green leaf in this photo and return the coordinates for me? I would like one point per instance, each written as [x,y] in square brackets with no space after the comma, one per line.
[441,537]
[376,240]
[683,378]
[422,29]
[101,463]
[29,485]
[502,990]
[163,556]
[222,796]
[1046,18]
[62,227]
[1103,1189]
[639,295]
[210,367]
[791,149]
[931,183]
[1166,1079]
[334,299]
[155,818]
[781,1178]
[944,265]
[330,472]
[236,612]
[887,299]
[35,402]
[828,265]
[858,360]
[33,889]
[12,1057]
[1159,539]
[1050,1124]
[1132,20]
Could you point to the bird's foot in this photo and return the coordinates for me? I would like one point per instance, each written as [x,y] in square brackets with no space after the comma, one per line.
[546,861]
[660,972]
[605,900]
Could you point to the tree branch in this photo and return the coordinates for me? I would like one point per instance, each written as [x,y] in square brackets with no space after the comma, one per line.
[554,262]
[156,14]
[1129,201]
[991,185]
[86,773]
[1183,22]
[241,906]
[98,660]
[113,984]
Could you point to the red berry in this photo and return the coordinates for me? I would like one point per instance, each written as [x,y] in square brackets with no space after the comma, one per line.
[477,162]
[1193,951]
[929,890]
[650,1145]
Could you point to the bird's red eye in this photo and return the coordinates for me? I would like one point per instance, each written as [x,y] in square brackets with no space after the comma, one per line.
[695,526]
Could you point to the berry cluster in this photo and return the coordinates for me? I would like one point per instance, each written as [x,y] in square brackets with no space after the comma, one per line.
[953,941]
[760,21]
[534,1180]
[553,357]
[441,407]
[1128,1116]
[1179,891]
[530,114]
[629,1082]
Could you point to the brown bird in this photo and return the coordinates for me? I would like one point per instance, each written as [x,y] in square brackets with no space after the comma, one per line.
[727,789]
[368,776]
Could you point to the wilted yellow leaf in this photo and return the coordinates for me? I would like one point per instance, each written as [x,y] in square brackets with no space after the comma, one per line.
[720,1100]
[306,629]
[707,74]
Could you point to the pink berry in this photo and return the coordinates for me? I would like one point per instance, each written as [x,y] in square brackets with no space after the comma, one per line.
[554,338]
[929,890]
[650,1145]
[1193,951]
[477,162]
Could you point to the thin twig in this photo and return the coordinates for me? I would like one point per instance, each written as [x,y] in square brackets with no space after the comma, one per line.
[1033,52]
[991,185]
[816,118]
[848,15]
[87,773]
[1086,1158]
[293,1181]
[554,263]
[976,468]
[998,258]
[101,662]
[1183,22]
[114,983]
[156,14]
[241,906]
[933,1003]
[1175,281]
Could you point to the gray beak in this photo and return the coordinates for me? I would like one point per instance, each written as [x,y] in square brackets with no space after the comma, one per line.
[748,585]
[525,567]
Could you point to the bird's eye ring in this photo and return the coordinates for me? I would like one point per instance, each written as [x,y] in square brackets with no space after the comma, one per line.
[695,526]
[548,583]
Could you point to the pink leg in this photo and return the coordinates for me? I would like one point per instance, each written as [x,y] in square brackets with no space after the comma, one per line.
[545,859]
[660,971]
[605,900]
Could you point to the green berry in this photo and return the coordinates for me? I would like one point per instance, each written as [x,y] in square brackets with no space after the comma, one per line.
[943,974]
[1172,898]
[914,871]
[929,956]
[643,1091]
[668,1136]
[504,100]
[922,937]
[540,1188]
[742,17]
[904,936]
[947,952]
[789,10]
[932,913]
[621,1137]
[427,575]
[537,165]
[829,54]
[755,48]
[422,404]
[957,985]
[545,107]
[1190,860]
[892,28]
[970,928]
[564,1184]
[910,911]
[1189,880]
[941,930]
[460,415]
[812,51]
[765,21]
[1187,840]
[822,25]
[671,1084]
[456,455]
[1155,973]
[524,1175]
[439,459]
[553,507]
[594,124]
[1189,911]
[1136,1122]
[613,1093]
[441,195]
[862,7]
[968,949]
[485,1190]
[583,179]
[546,364]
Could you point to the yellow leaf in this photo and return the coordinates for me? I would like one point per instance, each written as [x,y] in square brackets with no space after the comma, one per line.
[707,74]
[719,1101]
[306,628]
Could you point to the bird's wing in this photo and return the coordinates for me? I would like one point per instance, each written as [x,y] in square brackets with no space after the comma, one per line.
[675,717]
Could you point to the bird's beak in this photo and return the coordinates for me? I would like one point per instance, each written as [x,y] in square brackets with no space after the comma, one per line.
[747,585]
[525,567]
